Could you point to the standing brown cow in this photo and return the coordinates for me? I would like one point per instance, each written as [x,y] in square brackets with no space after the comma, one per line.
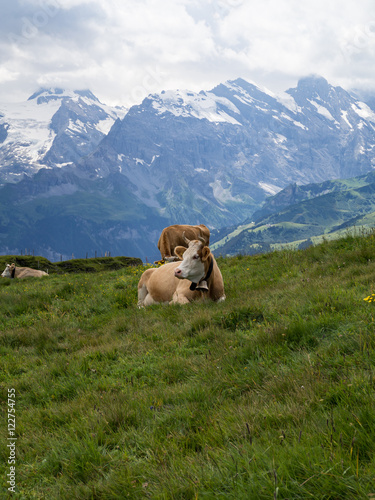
[174,236]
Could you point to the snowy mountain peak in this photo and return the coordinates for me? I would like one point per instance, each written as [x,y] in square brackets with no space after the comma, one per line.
[331,104]
[318,89]
[45,95]
[202,105]
[231,102]
[55,93]
[87,94]
[248,87]
[52,128]
[313,82]
[250,98]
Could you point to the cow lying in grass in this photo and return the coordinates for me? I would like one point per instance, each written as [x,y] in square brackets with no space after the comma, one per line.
[11,271]
[174,236]
[180,282]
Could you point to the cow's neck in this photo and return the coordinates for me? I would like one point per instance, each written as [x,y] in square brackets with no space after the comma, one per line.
[210,268]
[13,272]
[207,276]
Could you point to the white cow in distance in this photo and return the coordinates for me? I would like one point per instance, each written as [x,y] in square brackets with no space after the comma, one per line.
[13,271]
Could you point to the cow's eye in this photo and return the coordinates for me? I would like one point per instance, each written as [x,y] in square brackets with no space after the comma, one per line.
[195,257]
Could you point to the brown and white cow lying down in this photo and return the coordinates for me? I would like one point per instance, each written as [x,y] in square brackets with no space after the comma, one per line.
[180,282]
[11,271]
[173,236]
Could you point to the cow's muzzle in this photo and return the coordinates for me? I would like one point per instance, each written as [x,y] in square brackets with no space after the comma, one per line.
[178,273]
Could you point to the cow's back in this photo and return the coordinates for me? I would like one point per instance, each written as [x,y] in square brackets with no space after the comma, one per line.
[193,233]
[26,272]
[173,236]
[205,233]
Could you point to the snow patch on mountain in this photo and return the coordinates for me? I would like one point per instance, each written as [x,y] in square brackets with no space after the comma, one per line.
[221,193]
[27,125]
[243,95]
[204,105]
[288,102]
[284,116]
[364,111]
[322,110]
[280,139]
[269,188]
[344,116]
[104,126]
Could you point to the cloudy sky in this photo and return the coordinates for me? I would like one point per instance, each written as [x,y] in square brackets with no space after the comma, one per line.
[123,50]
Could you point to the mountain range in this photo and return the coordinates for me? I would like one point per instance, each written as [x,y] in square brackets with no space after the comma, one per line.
[78,176]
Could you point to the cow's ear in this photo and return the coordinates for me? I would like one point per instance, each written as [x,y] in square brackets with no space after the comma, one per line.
[179,251]
[205,253]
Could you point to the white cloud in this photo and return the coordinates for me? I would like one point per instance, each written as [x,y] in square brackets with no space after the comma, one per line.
[124,49]
[7,76]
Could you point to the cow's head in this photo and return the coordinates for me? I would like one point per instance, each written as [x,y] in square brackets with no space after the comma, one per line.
[194,257]
[7,273]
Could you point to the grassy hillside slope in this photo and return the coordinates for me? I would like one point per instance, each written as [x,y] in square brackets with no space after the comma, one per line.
[92,265]
[267,395]
[301,214]
[313,220]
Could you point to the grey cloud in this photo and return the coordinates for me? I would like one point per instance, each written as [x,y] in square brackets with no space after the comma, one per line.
[23,24]
[112,45]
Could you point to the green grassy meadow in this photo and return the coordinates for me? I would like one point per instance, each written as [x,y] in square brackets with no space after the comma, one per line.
[269,395]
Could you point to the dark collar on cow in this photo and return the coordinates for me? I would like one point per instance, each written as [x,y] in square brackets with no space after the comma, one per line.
[13,273]
[193,286]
